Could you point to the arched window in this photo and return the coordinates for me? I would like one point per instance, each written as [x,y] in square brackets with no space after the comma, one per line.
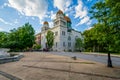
[76,37]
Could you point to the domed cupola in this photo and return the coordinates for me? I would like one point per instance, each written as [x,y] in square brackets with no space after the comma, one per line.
[59,14]
[67,19]
[45,23]
[45,26]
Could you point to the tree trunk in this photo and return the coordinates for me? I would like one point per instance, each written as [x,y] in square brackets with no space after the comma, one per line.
[98,48]
[109,60]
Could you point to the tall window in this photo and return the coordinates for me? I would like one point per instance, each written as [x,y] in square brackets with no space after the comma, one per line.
[68,24]
[69,38]
[56,33]
[76,37]
[63,22]
[63,44]
[69,44]
[63,33]
[56,44]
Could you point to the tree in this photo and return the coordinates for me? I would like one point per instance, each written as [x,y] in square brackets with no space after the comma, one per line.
[79,44]
[104,12]
[101,12]
[19,39]
[36,46]
[114,22]
[3,38]
[26,35]
[50,39]
[90,40]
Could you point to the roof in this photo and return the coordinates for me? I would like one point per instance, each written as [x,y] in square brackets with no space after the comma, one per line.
[59,12]
[45,22]
[37,34]
[67,19]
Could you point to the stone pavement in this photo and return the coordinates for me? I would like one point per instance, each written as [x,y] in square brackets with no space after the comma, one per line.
[44,66]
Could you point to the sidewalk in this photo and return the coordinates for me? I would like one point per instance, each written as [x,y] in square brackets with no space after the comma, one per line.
[100,54]
[43,66]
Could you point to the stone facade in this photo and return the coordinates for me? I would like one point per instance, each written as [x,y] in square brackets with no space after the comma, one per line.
[64,34]
[38,38]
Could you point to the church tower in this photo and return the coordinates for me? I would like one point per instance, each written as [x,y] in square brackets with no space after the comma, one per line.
[62,20]
[59,21]
[45,26]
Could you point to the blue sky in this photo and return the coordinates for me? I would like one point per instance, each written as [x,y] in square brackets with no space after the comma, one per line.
[15,13]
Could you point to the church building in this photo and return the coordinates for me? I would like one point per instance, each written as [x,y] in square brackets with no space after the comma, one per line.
[64,35]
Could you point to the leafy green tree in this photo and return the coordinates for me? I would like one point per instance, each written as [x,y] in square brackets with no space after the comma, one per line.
[101,12]
[79,44]
[19,39]
[26,35]
[90,40]
[50,39]
[114,23]
[108,17]
[37,46]
[3,38]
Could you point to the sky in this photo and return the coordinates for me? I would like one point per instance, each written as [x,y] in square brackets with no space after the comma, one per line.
[15,13]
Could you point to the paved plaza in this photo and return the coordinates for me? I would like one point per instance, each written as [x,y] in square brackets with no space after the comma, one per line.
[48,66]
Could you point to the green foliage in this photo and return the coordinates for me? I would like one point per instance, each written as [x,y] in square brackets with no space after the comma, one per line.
[50,39]
[19,39]
[3,38]
[37,46]
[79,44]
[26,34]
[105,35]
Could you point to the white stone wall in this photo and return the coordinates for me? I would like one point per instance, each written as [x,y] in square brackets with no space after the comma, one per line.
[59,26]
[43,39]
[59,39]
[74,35]
[63,38]
[56,38]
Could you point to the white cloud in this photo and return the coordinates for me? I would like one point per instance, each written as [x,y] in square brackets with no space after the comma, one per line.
[89,0]
[30,7]
[67,14]
[1,29]
[41,22]
[52,15]
[83,20]
[16,21]
[62,4]
[81,13]
[5,22]
[33,18]
[50,24]
[89,28]
[4,5]
[89,22]
[75,28]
